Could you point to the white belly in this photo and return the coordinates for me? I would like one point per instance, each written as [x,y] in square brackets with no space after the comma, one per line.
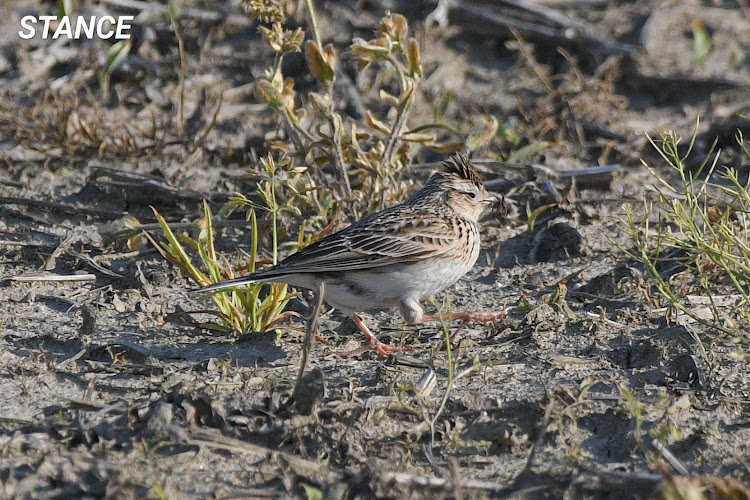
[374,289]
[380,288]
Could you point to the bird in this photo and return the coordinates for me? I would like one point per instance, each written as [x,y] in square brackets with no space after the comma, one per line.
[396,257]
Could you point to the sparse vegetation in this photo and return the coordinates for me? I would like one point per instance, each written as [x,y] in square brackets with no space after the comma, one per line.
[107,390]
[368,155]
[255,308]
[366,164]
[700,242]
[115,55]
[452,365]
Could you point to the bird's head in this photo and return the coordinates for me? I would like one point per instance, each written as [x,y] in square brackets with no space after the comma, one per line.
[464,191]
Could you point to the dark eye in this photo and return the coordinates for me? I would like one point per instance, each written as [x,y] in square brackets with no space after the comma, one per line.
[472,195]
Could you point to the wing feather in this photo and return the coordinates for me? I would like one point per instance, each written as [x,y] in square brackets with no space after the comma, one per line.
[394,236]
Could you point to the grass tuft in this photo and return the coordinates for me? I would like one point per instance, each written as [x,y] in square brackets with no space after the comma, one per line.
[697,252]
[257,307]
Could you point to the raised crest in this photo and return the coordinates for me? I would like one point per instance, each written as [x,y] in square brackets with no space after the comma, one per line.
[461,165]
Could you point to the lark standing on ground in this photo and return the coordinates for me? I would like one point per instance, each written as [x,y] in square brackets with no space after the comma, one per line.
[396,257]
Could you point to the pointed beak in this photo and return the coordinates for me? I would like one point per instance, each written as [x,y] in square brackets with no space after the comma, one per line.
[492,198]
[497,203]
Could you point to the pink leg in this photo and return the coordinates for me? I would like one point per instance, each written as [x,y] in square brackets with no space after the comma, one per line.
[455,334]
[480,316]
[373,342]
[465,317]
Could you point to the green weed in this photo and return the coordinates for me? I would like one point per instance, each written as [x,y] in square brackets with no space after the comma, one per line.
[702,233]
[257,307]
[115,55]
[367,154]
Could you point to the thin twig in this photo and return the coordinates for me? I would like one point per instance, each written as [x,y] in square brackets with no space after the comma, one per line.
[449,382]
[93,263]
[439,482]
[52,206]
[202,137]
[183,64]
[294,134]
[338,158]
[311,331]
[310,5]
[127,255]
[540,439]
[10,243]
[398,126]
[669,457]
[55,277]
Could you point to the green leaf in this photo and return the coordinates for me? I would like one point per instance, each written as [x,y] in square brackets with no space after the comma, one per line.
[116,54]
[312,492]
[320,65]
[528,151]
[702,45]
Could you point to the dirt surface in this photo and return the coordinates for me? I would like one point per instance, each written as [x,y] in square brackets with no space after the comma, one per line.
[103,393]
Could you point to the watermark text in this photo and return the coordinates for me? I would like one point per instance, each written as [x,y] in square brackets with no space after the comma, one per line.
[86,27]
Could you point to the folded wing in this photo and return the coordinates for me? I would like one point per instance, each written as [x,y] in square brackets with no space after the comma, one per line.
[390,237]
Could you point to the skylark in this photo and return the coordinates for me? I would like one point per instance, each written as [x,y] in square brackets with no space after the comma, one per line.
[396,257]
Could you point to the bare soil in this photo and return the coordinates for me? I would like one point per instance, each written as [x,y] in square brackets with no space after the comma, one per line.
[104,393]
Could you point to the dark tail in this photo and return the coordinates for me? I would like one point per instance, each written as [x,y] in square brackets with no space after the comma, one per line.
[271,275]
[223,285]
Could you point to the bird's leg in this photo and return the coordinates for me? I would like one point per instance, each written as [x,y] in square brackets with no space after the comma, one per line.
[413,313]
[373,342]
[480,316]
[465,317]
[460,328]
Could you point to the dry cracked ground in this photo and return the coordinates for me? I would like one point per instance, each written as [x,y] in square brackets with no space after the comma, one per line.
[105,392]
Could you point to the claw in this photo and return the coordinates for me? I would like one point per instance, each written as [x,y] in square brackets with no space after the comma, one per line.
[465,317]
[372,343]
[480,316]
[383,349]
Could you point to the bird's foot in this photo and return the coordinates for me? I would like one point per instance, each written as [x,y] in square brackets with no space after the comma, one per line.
[480,316]
[465,317]
[374,343]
